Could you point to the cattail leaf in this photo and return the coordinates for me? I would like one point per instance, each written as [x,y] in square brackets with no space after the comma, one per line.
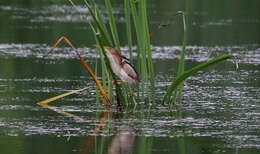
[191,72]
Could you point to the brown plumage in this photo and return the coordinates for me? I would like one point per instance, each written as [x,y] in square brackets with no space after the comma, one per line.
[121,66]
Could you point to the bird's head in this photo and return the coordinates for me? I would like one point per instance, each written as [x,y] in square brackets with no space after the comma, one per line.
[110,52]
[108,49]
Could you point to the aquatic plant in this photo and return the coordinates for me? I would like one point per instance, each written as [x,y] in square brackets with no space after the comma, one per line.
[107,35]
[182,77]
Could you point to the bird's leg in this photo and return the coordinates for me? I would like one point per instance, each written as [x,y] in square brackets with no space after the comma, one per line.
[116,82]
[132,94]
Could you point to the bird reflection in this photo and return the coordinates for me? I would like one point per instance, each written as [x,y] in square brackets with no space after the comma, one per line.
[123,141]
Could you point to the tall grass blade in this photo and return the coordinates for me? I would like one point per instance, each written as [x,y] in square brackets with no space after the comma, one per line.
[183,52]
[145,65]
[98,21]
[147,49]
[112,24]
[186,74]
[128,28]
[181,65]
[147,42]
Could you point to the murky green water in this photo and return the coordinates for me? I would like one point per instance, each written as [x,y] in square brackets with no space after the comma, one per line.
[220,112]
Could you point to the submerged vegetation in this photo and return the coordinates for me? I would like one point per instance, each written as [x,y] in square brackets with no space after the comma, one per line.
[138,36]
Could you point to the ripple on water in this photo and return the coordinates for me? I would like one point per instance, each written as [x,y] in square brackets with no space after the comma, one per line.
[246,54]
[50,13]
[56,13]
[220,103]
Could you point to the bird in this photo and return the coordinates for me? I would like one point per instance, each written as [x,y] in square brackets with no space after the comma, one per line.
[121,66]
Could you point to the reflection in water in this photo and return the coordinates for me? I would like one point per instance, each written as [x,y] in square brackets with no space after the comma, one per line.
[51,13]
[221,103]
[221,111]
[90,141]
[123,141]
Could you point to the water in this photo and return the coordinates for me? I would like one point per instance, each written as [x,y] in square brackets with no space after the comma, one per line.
[220,112]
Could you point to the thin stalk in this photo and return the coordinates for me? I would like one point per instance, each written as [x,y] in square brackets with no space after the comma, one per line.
[184,43]
[147,48]
[178,93]
[145,66]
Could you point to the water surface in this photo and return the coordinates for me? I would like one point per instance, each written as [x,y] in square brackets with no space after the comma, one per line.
[220,111]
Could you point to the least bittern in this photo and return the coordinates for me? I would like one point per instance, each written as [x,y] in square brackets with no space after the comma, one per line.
[121,66]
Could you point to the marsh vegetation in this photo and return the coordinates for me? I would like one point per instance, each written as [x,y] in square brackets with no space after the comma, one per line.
[191,94]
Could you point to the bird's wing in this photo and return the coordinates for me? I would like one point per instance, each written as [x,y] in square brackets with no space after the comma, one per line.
[129,69]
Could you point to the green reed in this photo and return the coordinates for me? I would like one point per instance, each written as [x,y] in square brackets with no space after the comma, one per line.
[127,11]
[112,24]
[102,36]
[174,85]
[137,25]
[144,54]
[181,65]
[175,90]
[134,12]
